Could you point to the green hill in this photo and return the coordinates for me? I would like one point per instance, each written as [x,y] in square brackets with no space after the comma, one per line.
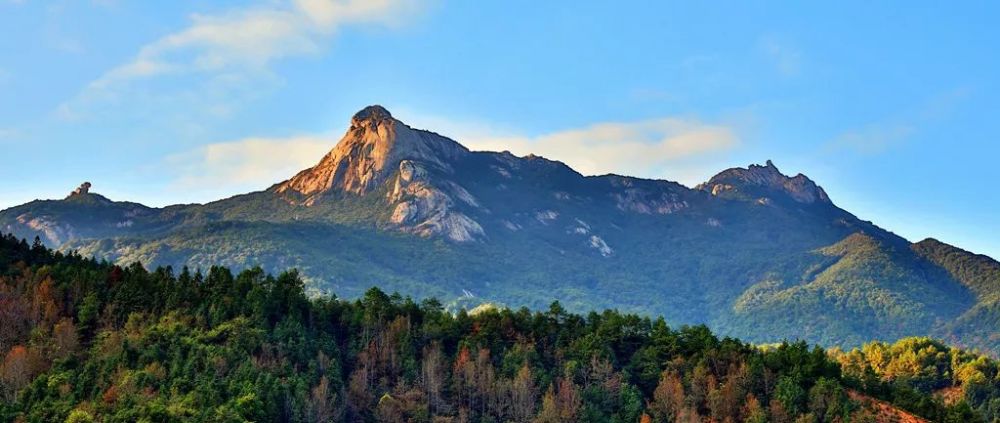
[87,341]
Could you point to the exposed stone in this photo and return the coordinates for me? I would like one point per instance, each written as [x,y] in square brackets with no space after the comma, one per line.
[602,247]
[646,197]
[51,230]
[721,188]
[546,216]
[502,171]
[83,189]
[511,225]
[424,209]
[799,187]
[369,153]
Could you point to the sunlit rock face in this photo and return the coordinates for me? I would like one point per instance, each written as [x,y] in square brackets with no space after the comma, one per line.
[378,148]
[369,153]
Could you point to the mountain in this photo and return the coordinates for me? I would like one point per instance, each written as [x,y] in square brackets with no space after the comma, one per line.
[751,252]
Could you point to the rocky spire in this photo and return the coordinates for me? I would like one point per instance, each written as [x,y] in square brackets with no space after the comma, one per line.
[370,152]
[84,188]
[759,181]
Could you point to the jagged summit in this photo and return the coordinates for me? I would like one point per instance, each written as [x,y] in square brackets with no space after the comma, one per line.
[759,181]
[83,189]
[83,194]
[369,153]
[373,113]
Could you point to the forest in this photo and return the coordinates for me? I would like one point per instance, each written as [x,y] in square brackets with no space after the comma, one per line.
[89,341]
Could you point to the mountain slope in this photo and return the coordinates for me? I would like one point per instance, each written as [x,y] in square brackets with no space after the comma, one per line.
[752,252]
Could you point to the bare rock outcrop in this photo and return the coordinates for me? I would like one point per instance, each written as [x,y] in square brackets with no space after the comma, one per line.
[422,208]
[739,182]
[83,189]
[54,233]
[369,153]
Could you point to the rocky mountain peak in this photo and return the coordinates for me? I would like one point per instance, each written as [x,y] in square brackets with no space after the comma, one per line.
[369,153]
[82,194]
[373,114]
[755,182]
[84,188]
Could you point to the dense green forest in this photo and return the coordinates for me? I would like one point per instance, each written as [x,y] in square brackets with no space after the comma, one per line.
[83,341]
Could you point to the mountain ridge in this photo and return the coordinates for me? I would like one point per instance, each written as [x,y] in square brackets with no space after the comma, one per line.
[418,212]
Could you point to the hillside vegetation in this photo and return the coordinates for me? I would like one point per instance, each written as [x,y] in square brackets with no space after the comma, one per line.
[92,341]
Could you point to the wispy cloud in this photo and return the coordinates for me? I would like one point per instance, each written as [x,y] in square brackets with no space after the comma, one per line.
[240,43]
[249,163]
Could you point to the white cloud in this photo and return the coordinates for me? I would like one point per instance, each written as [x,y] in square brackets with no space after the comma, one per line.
[250,163]
[243,41]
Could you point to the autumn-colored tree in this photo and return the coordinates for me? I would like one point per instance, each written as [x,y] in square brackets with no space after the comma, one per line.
[44,307]
[14,315]
[752,412]
[560,405]
[778,412]
[700,383]
[20,366]
[569,400]
[321,404]
[389,410]
[433,376]
[689,415]
[485,381]
[523,395]
[464,377]
[668,398]
[65,340]
[727,399]
[359,395]
[550,410]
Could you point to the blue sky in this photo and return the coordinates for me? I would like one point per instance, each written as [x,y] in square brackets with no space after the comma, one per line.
[892,110]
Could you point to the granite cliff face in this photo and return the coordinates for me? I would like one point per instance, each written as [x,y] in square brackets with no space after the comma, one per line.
[752,252]
[423,208]
[378,148]
[369,153]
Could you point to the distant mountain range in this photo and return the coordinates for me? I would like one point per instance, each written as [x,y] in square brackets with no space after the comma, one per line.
[751,252]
